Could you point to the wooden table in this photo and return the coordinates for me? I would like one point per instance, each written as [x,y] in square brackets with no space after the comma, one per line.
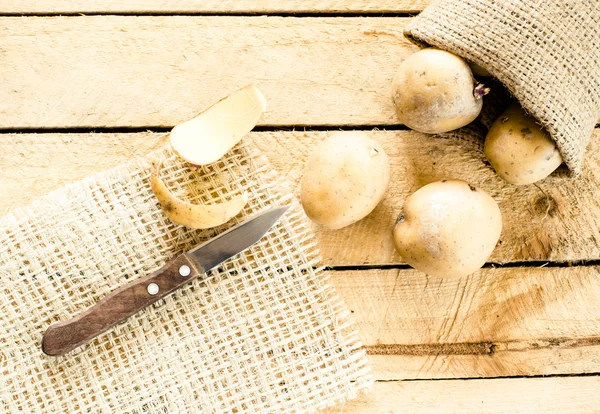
[90,90]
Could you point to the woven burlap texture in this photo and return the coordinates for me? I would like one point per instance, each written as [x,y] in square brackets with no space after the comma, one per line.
[546,52]
[262,333]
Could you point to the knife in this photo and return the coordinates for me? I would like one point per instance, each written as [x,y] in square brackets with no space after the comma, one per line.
[63,337]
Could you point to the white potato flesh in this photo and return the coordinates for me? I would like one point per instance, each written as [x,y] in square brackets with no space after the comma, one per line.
[191,215]
[207,137]
[519,149]
[344,179]
[433,92]
[448,228]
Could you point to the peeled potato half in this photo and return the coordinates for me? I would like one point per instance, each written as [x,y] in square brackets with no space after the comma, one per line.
[207,137]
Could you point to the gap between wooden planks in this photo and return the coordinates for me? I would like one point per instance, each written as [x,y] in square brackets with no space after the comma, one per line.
[494,323]
[212,6]
[556,220]
[520,395]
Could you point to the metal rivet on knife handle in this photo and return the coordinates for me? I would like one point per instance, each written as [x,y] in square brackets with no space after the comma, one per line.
[153,288]
[185,271]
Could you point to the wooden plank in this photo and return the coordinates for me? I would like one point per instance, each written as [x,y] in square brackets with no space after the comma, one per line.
[556,220]
[494,323]
[33,165]
[212,6]
[100,71]
[516,395]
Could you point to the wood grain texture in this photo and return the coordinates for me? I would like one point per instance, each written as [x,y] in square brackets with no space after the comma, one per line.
[405,309]
[64,336]
[521,359]
[518,395]
[115,71]
[494,323]
[158,71]
[555,220]
[32,165]
[211,6]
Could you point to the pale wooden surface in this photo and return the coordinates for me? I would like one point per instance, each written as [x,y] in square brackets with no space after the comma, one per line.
[211,6]
[519,395]
[158,71]
[127,71]
[556,229]
[494,323]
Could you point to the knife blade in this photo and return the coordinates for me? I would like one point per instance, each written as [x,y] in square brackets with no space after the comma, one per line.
[62,337]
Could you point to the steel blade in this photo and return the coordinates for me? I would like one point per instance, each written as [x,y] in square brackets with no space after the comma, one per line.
[235,240]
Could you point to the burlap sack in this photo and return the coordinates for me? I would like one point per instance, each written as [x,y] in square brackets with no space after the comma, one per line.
[546,52]
[262,333]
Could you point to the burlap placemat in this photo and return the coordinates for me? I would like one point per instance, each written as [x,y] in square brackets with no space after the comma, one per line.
[262,333]
[546,52]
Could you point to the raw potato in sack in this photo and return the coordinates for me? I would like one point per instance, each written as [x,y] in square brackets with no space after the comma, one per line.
[546,53]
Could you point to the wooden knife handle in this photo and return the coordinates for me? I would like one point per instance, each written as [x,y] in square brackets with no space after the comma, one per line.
[63,337]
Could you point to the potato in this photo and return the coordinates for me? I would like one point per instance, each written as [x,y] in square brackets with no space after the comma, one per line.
[434,91]
[344,179]
[206,138]
[448,228]
[519,149]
